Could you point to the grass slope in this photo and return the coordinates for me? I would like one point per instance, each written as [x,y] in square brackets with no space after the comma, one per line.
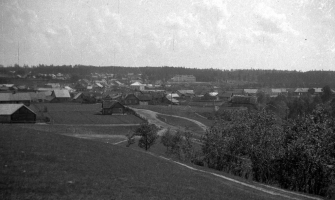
[41,165]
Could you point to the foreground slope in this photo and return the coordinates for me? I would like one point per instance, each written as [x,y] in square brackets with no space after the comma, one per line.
[40,165]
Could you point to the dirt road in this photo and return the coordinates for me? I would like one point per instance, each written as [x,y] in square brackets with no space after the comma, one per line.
[151,116]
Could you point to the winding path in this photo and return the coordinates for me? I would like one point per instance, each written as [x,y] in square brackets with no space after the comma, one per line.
[151,116]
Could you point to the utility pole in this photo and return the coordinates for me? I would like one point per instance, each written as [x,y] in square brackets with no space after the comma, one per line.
[18,53]
[171,100]
[118,7]
[173,41]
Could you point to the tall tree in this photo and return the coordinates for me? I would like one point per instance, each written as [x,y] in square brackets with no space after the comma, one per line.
[148,135]
[326,93]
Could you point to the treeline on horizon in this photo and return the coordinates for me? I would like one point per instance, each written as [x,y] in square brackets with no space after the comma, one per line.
[244,77]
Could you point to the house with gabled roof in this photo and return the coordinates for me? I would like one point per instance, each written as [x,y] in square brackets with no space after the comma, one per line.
[80,87]
[112,108]
[37,96]
[131,99]
[79,97]
[235,92]
[185,93]
[144,99]
[112,96]
[157,97]
[301,91]
[226,96]
[250,92]
[317,90]
[137,86]
[52,85]
[60,96]
[16,113]
[170,100]
[211,96]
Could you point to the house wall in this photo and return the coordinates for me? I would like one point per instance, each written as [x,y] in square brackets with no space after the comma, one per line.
[58,100]
[131,100]
[4,118]
[111,111]
[23,115]
[144,103]
[117,111]
[26,103]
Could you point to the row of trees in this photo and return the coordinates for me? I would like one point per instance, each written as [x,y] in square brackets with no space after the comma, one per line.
[247,77]
[296,155]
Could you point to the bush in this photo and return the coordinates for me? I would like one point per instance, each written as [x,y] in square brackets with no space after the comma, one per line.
[178,144]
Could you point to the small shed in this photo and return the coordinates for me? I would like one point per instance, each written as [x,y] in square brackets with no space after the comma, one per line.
[16,113]
[112,108]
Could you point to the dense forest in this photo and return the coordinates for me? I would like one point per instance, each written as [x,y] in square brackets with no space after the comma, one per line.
[249,77]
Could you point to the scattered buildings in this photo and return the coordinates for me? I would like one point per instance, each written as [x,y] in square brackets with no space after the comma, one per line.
[137,86]
[184,78]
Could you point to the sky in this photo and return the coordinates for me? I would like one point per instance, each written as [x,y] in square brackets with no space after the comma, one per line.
[220,34]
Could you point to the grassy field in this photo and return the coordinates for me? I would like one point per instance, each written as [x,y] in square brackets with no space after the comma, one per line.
[183,111]
[72,113]
[42,165]
[110,134]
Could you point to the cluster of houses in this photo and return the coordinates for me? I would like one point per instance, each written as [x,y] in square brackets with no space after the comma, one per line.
[115,95]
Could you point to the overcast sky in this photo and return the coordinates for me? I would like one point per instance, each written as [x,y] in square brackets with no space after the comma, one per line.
[224,34]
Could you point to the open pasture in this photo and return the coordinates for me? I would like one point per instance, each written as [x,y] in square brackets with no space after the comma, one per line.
[72,113]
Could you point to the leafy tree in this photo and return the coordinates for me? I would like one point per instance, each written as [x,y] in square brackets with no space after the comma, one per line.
[262,98]
[148,135]
[75,78]
[326,93]
[178,144]
[166,140]
[308,162]
[311,91]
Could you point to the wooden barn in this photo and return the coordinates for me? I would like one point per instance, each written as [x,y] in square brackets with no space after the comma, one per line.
[112,108]
[16,113]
